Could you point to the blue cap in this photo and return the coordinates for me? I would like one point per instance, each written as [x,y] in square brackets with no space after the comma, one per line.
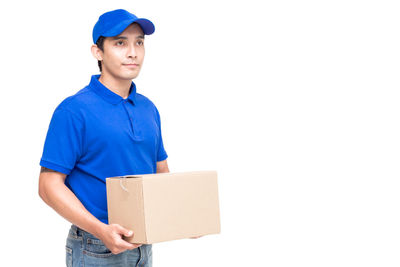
[114,22]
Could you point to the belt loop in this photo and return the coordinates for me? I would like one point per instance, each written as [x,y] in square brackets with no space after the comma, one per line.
[74,229]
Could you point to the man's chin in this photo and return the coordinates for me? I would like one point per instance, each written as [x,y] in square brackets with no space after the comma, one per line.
[129,76]
[124,75]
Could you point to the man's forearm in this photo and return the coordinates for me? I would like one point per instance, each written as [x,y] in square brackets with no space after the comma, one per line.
[58,196]
[162,166]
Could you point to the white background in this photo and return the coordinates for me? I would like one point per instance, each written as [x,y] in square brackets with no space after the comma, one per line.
[294,103]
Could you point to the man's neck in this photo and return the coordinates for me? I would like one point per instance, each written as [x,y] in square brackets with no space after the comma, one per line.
[120,87]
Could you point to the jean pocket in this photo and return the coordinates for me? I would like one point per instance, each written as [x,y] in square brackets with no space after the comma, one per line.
[96,248]
[68,257]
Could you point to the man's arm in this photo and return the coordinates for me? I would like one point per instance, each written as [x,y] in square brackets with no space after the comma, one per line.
[57,195]
[162,166]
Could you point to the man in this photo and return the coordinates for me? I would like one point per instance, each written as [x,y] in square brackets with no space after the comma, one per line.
[106,129]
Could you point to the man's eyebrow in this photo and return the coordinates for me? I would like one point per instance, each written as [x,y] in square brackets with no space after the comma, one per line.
[119,37]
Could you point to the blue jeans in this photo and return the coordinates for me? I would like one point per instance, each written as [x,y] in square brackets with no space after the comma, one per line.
[84,249]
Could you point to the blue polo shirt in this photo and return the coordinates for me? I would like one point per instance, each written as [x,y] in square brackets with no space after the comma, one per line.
[96,134]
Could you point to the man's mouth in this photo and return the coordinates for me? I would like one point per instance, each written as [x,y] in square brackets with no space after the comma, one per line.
[133,65]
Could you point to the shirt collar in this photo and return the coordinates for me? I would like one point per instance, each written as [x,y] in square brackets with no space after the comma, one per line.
[109,95]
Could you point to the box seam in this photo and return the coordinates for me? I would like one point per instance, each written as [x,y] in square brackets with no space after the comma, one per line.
[143,214]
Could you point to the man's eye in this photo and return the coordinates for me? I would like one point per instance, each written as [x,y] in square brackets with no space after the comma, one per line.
[120,43]
[140,43]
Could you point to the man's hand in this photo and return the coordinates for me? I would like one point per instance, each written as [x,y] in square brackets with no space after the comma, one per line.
[111,235]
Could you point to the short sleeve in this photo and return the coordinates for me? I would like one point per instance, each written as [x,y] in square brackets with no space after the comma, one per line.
[161,153]
[64,142]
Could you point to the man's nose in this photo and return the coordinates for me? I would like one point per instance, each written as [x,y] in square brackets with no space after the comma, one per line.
[131,52]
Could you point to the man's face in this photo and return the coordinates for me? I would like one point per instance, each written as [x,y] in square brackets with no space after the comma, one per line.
[123,55]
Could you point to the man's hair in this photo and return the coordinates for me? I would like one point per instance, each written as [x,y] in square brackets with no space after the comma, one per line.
[100,45]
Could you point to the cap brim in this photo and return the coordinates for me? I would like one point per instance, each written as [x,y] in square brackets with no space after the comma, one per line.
[146,25]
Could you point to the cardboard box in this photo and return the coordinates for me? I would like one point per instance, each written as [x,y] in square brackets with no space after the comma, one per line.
[164,206]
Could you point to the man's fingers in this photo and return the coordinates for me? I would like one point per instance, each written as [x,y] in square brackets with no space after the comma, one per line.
[114,241]
[128,233]
[137,245]
[123,231]
[128,246]
[122,246]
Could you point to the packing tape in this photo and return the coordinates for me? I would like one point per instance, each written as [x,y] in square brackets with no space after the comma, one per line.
[122,186]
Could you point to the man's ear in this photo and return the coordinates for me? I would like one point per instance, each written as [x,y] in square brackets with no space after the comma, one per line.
[97,53]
